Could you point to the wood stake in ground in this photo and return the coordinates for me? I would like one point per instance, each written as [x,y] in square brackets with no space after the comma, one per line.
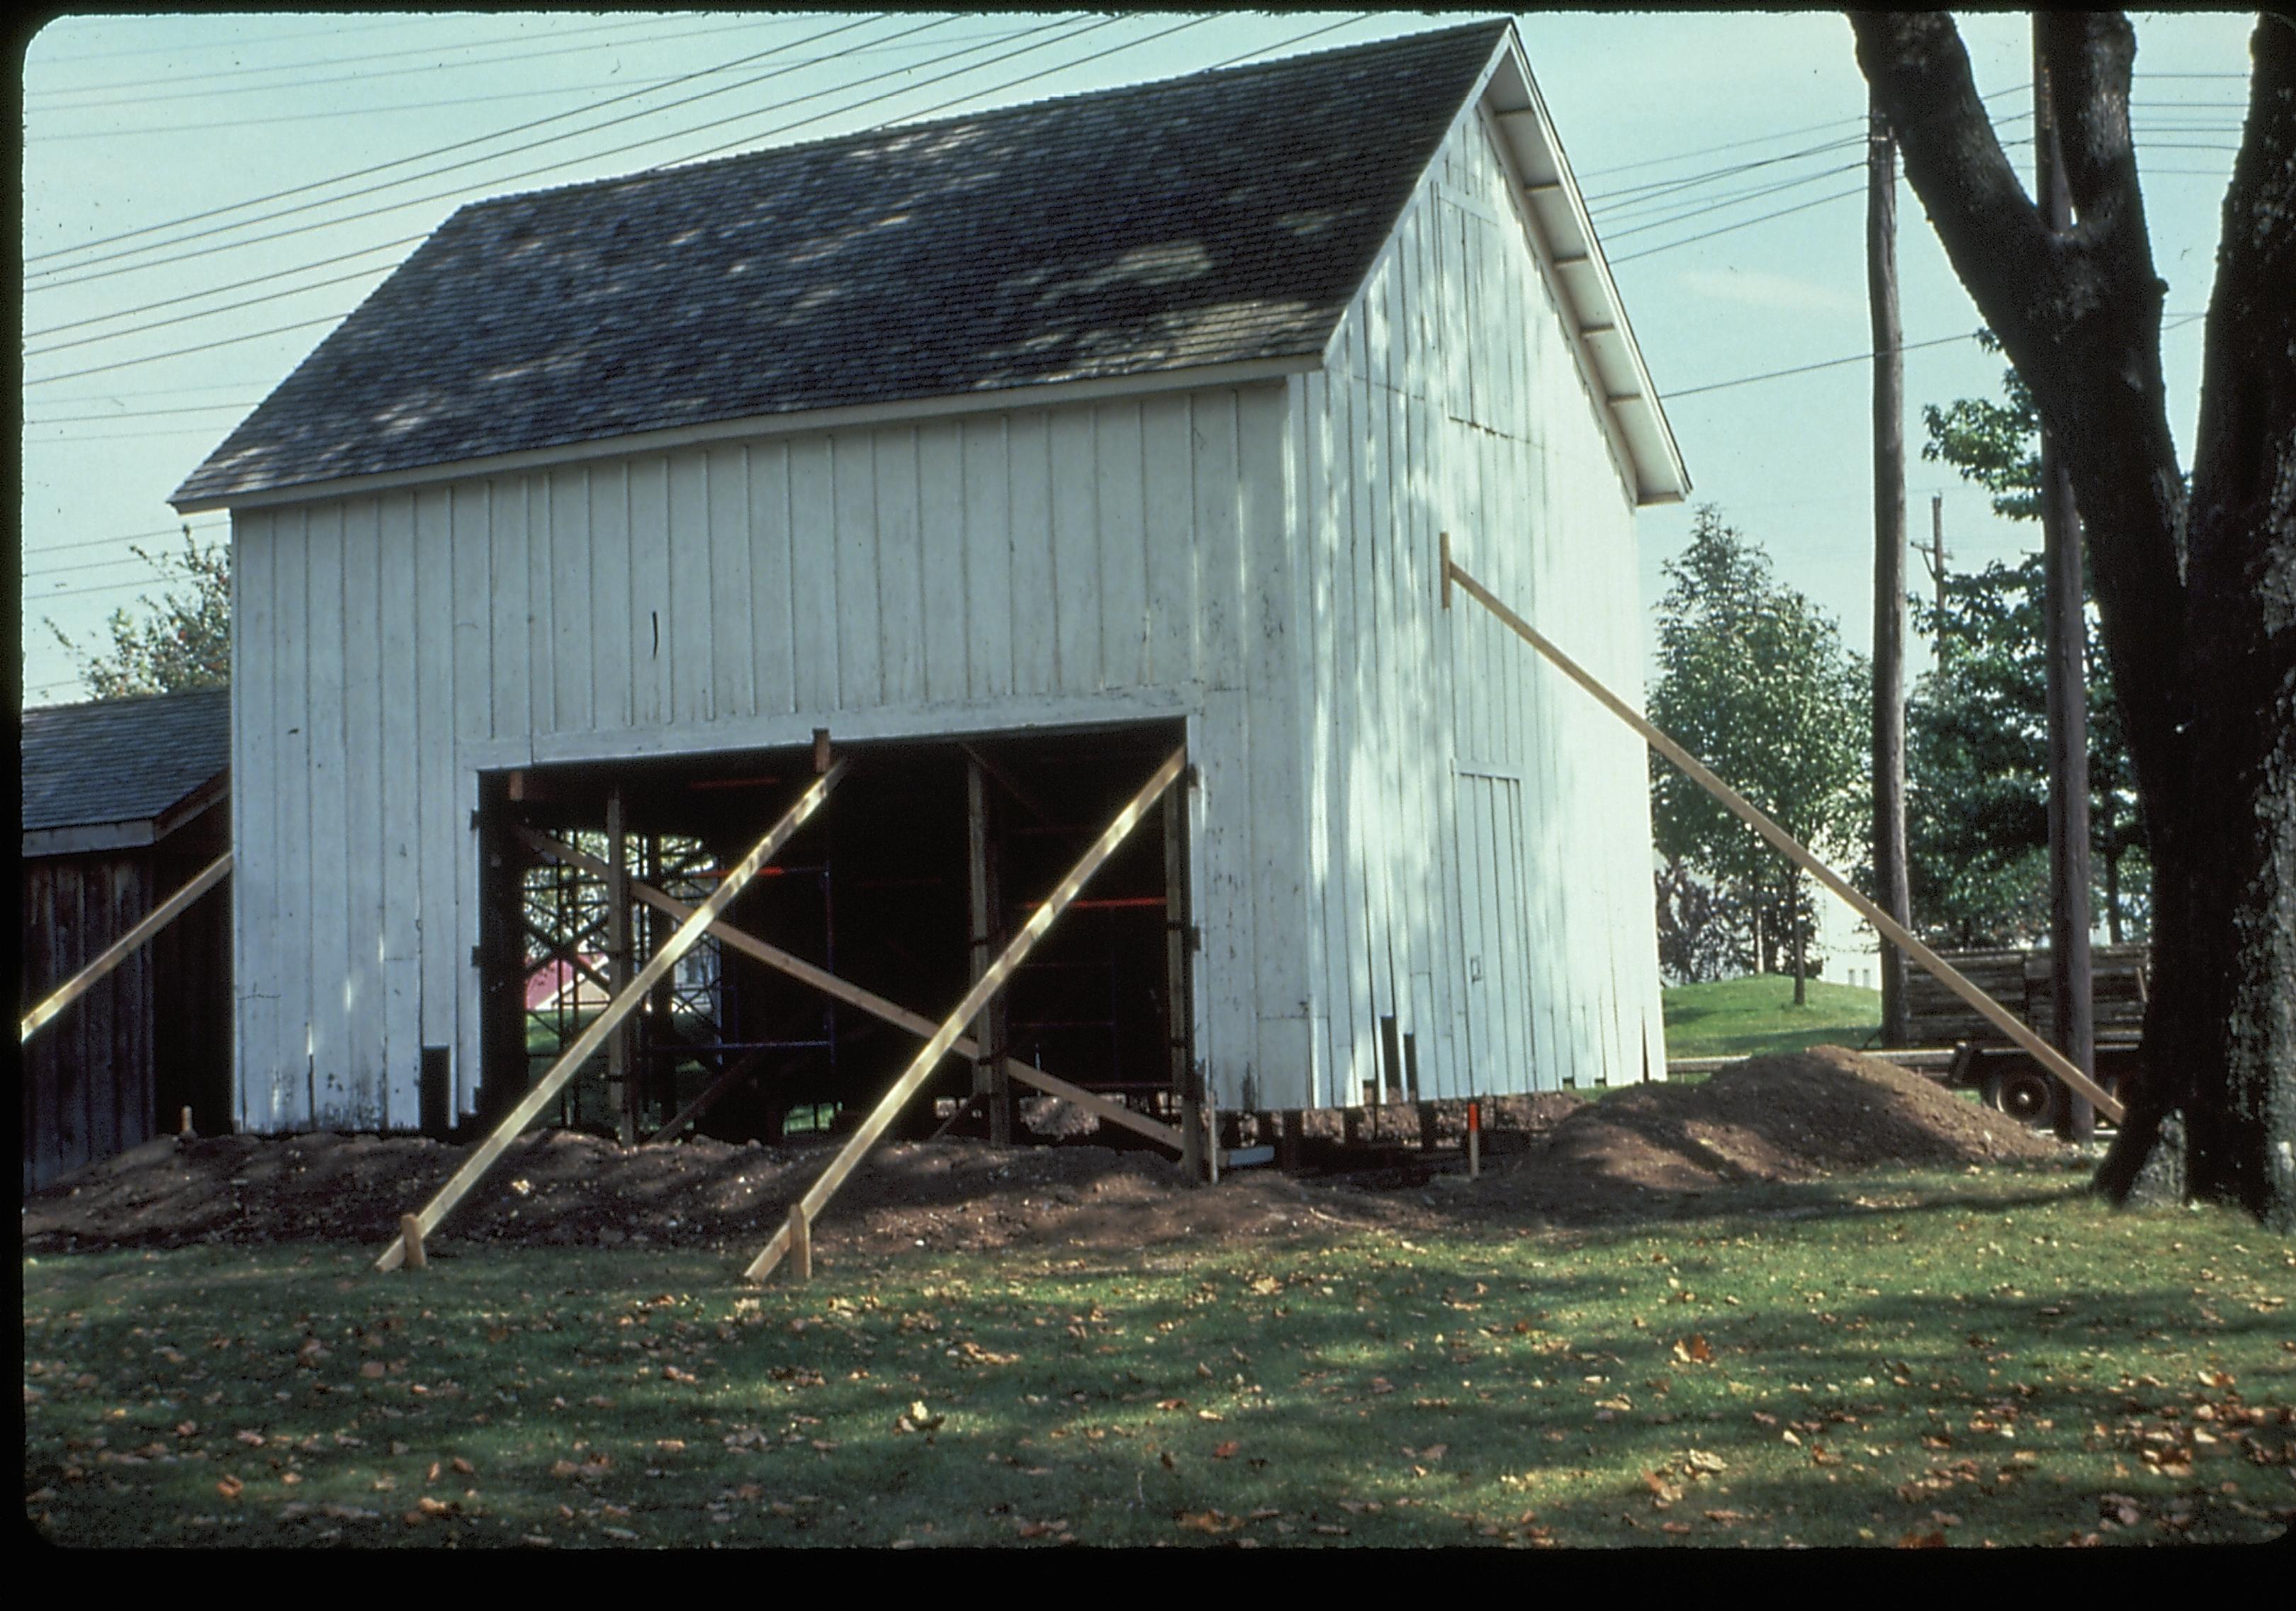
[1999,1016]
[120,949]
[944,1038]
[868,1002]
[586,1044]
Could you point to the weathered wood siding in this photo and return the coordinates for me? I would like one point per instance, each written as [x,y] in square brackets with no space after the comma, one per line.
[1026,568]
[1479,828]
[87,1075]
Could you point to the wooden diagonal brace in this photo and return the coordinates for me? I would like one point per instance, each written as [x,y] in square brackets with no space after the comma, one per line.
[120,949]
[1999,1016]
[586,1044]
[809,1206]
[868,1002]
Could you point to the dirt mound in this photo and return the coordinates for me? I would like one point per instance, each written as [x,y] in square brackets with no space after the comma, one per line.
[1796,1116]
[1550,1158]
[565,1189]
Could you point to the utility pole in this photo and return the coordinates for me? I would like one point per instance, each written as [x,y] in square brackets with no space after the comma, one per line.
[2073,1026]
[1937,567]
[1892,892]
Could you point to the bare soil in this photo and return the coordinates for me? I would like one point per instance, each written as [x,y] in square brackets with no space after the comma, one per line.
[1650,1151]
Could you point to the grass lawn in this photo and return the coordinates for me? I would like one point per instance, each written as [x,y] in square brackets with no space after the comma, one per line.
[1966,1359]
[1743,1017]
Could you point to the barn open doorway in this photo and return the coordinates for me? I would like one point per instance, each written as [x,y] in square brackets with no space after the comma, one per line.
[927,858]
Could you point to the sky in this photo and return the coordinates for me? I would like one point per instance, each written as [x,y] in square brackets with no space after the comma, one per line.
[206,196]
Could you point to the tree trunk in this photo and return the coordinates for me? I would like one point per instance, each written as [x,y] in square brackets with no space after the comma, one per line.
[2198,604]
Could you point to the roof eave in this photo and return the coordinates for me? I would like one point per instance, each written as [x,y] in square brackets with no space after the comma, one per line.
[1591,301]
[1033,394]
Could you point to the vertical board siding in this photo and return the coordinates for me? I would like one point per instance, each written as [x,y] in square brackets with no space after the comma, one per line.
[1470,811]
[392,646]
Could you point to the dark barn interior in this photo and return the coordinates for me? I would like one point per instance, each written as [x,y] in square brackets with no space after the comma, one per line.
[880,889]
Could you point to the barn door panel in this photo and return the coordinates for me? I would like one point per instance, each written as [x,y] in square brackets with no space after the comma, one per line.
[1497,959]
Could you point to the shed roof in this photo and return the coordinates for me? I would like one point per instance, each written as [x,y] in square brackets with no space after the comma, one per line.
[1222,217]
[121,761]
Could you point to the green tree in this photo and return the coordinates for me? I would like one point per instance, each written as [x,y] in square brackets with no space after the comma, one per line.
[1753,680]
[1978,725]
[184,643]
[1978,751]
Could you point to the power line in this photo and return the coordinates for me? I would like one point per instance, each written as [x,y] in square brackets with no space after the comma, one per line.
[522,48]
[443,150]
[1838,195]
[751,140]
[548,167]
[132,413]
[281,330]
[153,358]
[1701,208]
[187,45]
[204,313]
[260,279]
[94,542]
[2173,321]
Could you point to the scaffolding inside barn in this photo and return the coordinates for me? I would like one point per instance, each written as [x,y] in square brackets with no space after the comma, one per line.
[924,866]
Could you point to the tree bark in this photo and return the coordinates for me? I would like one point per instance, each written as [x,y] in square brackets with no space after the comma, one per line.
[2198,603]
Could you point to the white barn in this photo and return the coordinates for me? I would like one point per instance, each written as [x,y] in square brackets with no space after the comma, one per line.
[1143,410]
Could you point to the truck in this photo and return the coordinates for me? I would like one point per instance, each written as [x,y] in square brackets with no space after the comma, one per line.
[2007,1076]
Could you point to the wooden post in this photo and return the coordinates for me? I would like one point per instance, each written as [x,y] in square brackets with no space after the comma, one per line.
[988,1081]
[184,1125]
[1288,1144]
[821,750]
[1946,973]
[2074,1025]
[410,1235]
[868,1002]
[1179,1002]
[1427,1136]
[120,949]
[944,1039]
[586,1045]
[1892,885]
[619,1087]
[801,1243]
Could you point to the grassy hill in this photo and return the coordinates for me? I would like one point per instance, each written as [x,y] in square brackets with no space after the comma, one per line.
[1740,1017]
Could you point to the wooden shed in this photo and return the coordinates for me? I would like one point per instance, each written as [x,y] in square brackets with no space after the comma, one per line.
[1018,446]
[124,801]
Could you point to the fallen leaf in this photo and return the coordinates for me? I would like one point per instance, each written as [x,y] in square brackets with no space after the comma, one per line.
[1922,1540]
[1209,1521]
[463,1465]
[230,1487]
[1222,1451]
[1694,1350]
[372,1369]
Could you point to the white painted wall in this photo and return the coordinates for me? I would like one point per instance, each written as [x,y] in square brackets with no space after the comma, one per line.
[1479,828]
[992,572]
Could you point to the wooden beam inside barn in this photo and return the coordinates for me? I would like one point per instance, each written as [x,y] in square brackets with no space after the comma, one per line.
[586,1044]
[797,1233]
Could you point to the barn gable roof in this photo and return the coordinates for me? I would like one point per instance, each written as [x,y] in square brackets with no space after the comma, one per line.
[1223,218]
[120,762]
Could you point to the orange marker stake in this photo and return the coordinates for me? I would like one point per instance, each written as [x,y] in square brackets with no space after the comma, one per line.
[1474,1140]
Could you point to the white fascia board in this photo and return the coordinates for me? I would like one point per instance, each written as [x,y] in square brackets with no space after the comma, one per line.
[1046,394]
[1553,200]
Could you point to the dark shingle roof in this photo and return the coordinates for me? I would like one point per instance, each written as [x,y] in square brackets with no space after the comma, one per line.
[1222,217]
[121,759]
